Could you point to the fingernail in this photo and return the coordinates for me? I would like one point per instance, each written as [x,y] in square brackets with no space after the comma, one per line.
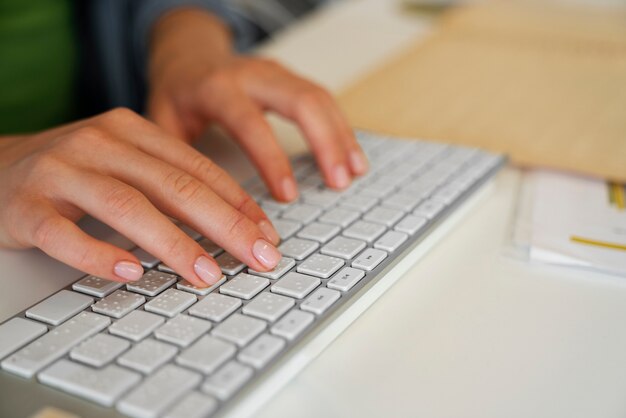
[290,189]
[270,233]
[128,270]
[266,253]
[341,176]
[207,270]
[358,162]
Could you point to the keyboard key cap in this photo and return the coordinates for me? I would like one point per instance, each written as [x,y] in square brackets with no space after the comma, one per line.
[268,306]
[411,224]
[298,248]
[210,247]
[402,201]
[286,228]
[343,247]
[137,325]
[320,265]
[295,285]
[345,279]
[293,324]
[239,329]
[147,356]
[319,232]
[119,303]
[99,350]
[320,300]
[391,240]
[302,213]
[229,264]
[102,386]
[171,302]
[17,332]
[158,392]
[201,291]
[193,405]
[383,215]
[215,307]
[284,265]
[227,380]
[244,286]
[429,209]
[207,354]
[358,202]
[95,286]
[55,344]
[362,230]
[339,216]
[369,259]
[182,330]
[261,351]
[152,283]
[323,198]
[147,260]
[59,307]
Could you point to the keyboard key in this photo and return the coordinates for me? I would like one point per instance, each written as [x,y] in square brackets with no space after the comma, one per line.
[319,232]
[119,303]
[137,325]
[320,265]
[284,265]
[320,300]
[343,247]
[147,260]
[429,209]
[298,248]
[99,350]
[55,344]
[207,354]
[229,264]
[95,286]
[182,330]
[286,228]
[295,285]
[339,216]
[227,380]
[369,259]
[171,302]
[193,234]
[215,307]
[166,269]
[345,279]
[152,283]
[210,247]
[402,201]
[59,307]
[268,306]
[158,392]
[293,324]
[147,356]
[302,213]
[193,405]
[362,230]
[244,286]
[411,224]
[201,291]
[101,386]
[358,202]
[239,329]
[261,351]
[391,240]
[383,215]
[17,332]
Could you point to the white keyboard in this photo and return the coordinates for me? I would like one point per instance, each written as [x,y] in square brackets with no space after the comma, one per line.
[162,347]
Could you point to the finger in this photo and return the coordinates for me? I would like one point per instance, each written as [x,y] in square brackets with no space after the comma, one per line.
[60,238]
[244,120]
[317,115]
[164,114]
[153,142]
[129,212]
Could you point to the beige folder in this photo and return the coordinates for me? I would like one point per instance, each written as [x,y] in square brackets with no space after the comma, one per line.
[544,84]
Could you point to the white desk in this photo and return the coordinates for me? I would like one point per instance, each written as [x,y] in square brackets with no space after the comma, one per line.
[469,332]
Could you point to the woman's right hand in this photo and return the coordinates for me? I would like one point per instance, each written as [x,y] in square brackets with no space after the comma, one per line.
[128,173]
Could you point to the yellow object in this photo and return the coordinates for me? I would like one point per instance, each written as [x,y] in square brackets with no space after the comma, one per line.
[596,243]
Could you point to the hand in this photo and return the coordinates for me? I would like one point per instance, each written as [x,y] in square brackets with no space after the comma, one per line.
[128,173]
[195,80]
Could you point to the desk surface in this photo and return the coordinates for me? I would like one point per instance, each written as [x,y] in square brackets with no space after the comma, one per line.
[470,331]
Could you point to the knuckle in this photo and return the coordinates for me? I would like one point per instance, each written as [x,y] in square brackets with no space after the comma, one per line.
[309,99]
[45,231]
[121,114]
[176,246]
[207,169]
[184,187]
[123,202]
[217,80]
[244,202]
[91,136]
[235,224]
